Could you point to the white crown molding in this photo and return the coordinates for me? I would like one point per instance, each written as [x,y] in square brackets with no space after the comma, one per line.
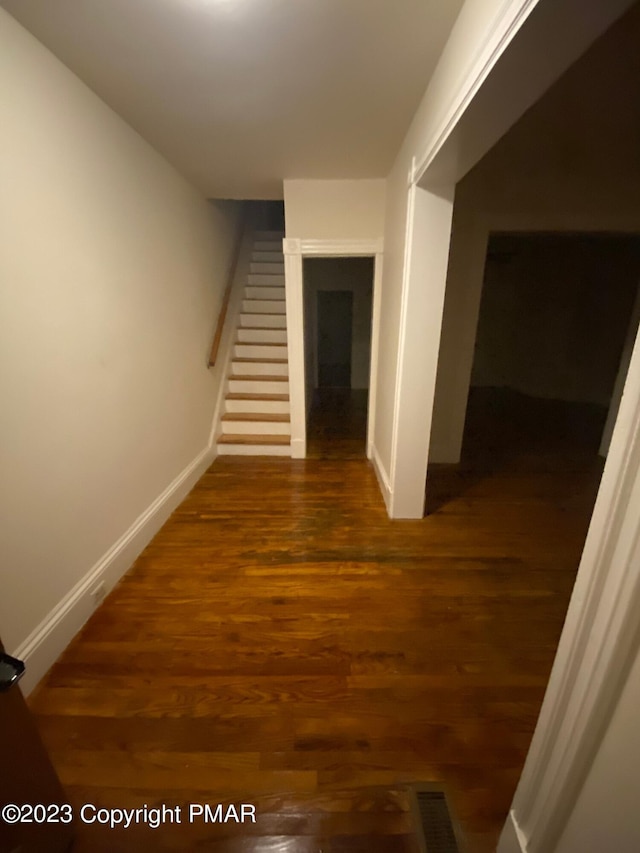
[332,248]
[506,24]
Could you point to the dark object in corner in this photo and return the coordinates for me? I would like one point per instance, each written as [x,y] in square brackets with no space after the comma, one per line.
[11,671]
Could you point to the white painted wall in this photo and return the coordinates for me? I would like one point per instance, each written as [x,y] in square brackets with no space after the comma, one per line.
[606,815]
[112,270]
[334,210]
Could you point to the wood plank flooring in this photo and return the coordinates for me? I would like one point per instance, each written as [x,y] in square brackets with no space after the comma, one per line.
[337,427]
[281,642]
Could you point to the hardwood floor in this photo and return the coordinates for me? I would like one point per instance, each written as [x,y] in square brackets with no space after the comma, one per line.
[337,427]
[281,642]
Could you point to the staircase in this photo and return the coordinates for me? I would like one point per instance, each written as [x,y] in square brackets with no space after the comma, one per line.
[256,420]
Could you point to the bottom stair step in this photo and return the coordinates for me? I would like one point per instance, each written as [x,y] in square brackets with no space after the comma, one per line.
[254,439]
[230,444]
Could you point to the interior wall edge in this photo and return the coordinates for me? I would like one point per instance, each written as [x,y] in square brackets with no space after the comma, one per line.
[384,481]
[512,839]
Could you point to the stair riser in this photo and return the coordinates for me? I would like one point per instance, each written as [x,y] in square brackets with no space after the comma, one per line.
[264,407]
[259,368]
[268,267]
[253,450]
[264,293]
[255,428]
[261,279]
[268,258]
[253,306]
[262,336]
[258,386]
[267,246]
[259,351]
[275,321]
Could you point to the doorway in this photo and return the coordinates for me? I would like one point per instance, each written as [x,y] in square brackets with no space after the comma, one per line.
[555,312]
[338,299]
[558,316]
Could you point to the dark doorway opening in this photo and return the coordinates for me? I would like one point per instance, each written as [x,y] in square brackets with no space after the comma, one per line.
[335,321]
[338,298]
[555,312]
[558,316]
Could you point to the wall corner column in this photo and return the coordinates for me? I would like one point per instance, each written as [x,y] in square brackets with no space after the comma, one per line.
[427,239]
[293,278]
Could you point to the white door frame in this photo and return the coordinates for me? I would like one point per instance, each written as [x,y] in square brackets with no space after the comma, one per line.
[600,638]
[295,251]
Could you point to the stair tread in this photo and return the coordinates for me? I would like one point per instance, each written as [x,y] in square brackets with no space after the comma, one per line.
[259,360]
[260,343]
[262,329]
[230,438]
[257,416]
[259,377]
[271,398]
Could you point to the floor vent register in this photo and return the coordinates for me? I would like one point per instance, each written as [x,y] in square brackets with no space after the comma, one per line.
[435,828]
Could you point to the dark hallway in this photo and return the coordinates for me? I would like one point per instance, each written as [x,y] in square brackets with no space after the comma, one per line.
[338,308]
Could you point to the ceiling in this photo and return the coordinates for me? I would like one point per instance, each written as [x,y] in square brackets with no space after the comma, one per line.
[239,94]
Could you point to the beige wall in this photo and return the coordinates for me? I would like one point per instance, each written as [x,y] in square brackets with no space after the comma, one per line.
[339,210]
[112,270]
[606,816]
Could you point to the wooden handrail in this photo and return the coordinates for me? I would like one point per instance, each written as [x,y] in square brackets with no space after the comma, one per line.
[215,346]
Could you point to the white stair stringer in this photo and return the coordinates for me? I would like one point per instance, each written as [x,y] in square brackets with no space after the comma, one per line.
[256,414]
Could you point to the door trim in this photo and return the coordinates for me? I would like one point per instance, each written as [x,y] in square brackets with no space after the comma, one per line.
[295,250]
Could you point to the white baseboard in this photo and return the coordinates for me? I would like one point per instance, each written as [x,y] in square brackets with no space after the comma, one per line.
[47,642]
[383,478]
[298,448]
[512,839]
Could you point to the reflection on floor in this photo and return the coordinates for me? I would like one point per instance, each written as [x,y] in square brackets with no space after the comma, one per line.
[281,642]
[337,426]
